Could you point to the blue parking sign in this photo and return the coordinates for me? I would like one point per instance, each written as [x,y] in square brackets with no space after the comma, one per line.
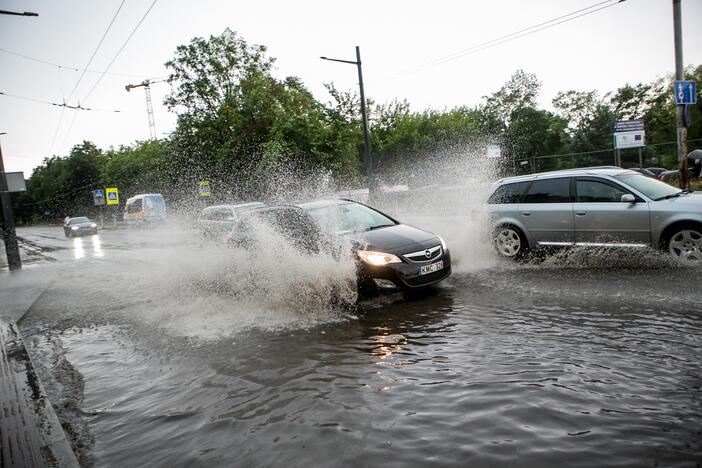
[685,92]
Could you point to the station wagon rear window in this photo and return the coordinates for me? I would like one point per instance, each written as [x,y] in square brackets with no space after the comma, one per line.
[509,193]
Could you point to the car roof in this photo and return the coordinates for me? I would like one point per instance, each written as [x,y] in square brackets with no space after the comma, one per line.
[143,195]
[239,205]
[582,171]
[313,205]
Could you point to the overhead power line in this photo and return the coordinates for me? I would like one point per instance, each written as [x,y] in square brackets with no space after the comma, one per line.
[64,105]
[102,39]
[66,67]
[119,51]
[102,75]
[507,38]
[75,87]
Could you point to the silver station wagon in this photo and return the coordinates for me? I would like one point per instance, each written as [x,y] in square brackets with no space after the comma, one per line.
[603,206]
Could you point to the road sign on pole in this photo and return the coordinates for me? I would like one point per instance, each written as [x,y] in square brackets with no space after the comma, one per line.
[685,92]
[203,188]
[112,196]
[628,133]
[98,197]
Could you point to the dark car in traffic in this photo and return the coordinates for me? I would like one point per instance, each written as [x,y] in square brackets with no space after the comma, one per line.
[389,255]
[79,226]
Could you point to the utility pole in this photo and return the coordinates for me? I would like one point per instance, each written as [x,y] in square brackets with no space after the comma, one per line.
[149,108]
[680,108]
[9,235]
[364,117]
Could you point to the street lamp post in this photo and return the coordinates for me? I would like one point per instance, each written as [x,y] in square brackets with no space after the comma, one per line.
[364,116]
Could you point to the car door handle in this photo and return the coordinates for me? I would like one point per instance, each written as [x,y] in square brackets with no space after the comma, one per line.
[580,213]
[526,213]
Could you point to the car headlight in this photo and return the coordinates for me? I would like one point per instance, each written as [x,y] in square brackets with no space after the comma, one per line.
[74,228]
[443,243]
[93,225]
[378,258]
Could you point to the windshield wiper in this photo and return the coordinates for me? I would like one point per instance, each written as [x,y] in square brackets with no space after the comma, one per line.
[672,195]
[372,228]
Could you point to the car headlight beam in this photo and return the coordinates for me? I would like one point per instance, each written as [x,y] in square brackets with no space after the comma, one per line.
[74,228]
[378,258]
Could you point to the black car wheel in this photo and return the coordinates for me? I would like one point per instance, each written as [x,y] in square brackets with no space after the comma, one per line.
[510,242]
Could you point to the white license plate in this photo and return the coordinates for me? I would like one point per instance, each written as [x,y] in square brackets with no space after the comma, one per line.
[426,269]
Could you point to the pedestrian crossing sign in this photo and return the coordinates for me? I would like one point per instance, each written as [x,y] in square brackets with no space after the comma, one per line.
[203,188]
[112,196]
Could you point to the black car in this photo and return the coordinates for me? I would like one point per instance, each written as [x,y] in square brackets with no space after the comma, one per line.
[291,222]
[79,226]
[389,255]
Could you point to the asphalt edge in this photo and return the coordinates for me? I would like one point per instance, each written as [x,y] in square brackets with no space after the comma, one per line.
[38,439]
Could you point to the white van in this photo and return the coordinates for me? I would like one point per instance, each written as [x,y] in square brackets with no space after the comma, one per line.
[145,208]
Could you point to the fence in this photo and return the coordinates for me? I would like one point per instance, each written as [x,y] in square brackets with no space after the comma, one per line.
[656,155]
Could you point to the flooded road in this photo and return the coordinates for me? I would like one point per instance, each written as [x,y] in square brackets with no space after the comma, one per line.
[581,359]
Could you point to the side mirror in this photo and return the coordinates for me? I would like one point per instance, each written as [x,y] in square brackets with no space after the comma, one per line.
[628,198]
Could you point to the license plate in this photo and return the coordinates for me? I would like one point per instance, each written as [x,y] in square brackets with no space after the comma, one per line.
[426,269]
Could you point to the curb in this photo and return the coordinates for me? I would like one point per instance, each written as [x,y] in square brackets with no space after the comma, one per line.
[30,432]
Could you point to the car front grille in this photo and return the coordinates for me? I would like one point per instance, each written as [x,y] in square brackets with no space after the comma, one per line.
[421,255]
[430,278]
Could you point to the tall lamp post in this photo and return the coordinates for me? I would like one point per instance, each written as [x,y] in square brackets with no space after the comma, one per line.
[364,116]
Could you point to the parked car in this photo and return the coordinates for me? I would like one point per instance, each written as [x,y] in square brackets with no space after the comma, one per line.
[669,177]
[389,255]
[79,226]
[643,171]
[215,222]
[145,209]
[656,170]
[594,207]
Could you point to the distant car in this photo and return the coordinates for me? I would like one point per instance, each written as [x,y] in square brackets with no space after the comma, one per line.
[388,255]
[656,170]
[669,176]
[645,172]
[79,226]
[595,207]
[215,222]
[145,209]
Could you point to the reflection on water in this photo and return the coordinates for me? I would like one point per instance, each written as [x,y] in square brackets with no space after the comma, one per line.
[97,247]
[78,250]
[80,245]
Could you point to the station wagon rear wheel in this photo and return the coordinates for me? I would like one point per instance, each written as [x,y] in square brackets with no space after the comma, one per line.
[510,242]
[685,243]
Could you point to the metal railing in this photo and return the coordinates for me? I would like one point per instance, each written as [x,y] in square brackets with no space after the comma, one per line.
[655,155]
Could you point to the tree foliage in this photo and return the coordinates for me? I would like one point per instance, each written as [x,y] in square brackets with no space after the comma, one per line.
[237,123]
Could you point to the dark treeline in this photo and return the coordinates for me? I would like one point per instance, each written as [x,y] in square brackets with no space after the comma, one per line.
[237,123]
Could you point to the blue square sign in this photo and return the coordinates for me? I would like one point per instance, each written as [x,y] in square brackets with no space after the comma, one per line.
[685,92]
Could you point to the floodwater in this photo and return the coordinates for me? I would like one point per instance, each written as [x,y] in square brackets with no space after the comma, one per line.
[169,354]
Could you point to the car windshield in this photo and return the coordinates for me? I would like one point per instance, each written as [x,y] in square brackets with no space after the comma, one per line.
[652,188]
[80,220]
[349,217]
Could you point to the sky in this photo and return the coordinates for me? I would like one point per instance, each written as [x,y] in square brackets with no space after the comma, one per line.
[627,42]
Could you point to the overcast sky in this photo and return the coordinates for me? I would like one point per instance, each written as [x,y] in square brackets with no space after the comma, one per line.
[629,42]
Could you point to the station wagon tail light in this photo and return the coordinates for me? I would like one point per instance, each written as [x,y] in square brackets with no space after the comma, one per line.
[378,258]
